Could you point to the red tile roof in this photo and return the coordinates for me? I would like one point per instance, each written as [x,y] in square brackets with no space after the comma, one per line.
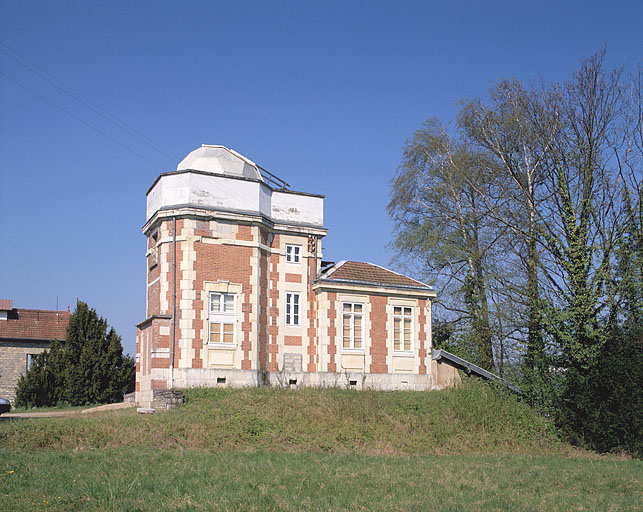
[34,324]
[6,304]
[369,273]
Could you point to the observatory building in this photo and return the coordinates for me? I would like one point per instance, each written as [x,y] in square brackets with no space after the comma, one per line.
[238,293]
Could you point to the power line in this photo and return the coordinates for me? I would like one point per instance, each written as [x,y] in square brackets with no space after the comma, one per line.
[80,120]
[85,101]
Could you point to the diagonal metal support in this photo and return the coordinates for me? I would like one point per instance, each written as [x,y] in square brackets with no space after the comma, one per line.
[462,364]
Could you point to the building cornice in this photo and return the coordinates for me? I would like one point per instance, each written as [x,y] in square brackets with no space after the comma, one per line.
[211,213]
[149,320]
[373,288]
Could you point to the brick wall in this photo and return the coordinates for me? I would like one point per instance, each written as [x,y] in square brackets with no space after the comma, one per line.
[213,253]
[264,262]
[379,334]
[275,297]
[226,263]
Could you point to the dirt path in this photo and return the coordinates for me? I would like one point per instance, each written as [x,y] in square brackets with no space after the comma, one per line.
[72,412]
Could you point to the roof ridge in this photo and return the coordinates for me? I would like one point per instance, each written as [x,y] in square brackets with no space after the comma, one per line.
[367,272]
[397,273]
[43,310]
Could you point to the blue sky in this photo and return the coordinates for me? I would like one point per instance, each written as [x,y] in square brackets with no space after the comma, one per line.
[323,95]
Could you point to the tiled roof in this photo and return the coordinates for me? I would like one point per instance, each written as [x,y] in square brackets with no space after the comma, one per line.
[6,304]
[368,273]
[34,324]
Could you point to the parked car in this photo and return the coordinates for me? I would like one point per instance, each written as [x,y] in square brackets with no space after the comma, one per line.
[5,405]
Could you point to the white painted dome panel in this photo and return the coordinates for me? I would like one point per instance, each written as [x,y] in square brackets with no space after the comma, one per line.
[219,160]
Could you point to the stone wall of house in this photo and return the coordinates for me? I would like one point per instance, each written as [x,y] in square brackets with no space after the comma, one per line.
[13,363]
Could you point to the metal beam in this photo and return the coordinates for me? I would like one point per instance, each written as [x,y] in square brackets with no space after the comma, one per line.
[464,365]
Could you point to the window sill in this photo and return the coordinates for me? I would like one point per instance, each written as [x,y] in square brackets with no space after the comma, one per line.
[222,346]
[404,353]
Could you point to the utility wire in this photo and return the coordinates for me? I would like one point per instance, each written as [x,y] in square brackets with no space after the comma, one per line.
[85,101]
[80,120]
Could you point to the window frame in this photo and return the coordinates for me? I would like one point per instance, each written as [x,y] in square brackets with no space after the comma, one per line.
[294,257]
[30,360]
[352,314]
[153,251]
[290,315]
[222,317]
[402,316]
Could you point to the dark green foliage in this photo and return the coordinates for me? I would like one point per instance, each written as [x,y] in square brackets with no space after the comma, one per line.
[90,369]
[44,382]
[629,254]
[603,407]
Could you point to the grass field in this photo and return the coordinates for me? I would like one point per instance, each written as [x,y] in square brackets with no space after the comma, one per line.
[140,479]
[473,448]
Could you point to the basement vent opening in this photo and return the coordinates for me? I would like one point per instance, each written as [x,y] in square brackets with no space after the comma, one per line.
[292,382]
[352,382]
[220,380]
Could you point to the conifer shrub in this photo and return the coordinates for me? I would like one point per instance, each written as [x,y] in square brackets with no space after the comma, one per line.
[89,369]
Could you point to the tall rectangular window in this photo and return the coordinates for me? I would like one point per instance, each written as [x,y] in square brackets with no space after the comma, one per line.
[30,360]
[352,322]
[293,253]
[402,328]
[222,318]
[293,300]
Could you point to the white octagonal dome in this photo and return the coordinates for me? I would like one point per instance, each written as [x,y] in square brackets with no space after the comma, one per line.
[219,160]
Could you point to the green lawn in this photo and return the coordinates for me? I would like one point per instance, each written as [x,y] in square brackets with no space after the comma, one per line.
[141,479]
[472,448]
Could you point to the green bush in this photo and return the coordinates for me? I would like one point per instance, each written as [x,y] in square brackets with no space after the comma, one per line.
[604,407]
[44,382]
[89,369]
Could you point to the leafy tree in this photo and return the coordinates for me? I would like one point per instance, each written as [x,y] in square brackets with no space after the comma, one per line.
[530,217]
[504,126]
[90,369]
[443,226]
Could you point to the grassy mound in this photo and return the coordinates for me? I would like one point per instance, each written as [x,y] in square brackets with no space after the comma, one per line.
[474,418]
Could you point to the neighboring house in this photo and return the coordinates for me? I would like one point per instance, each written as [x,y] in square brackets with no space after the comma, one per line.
[24,333]
[238,294]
